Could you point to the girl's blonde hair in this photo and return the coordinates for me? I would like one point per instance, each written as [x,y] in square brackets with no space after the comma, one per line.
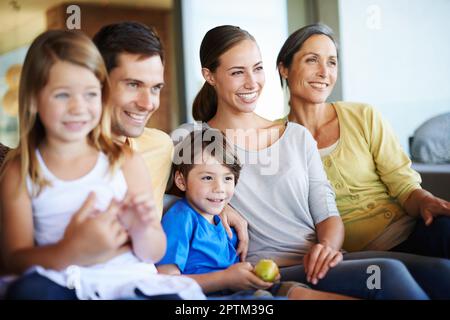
[47,49]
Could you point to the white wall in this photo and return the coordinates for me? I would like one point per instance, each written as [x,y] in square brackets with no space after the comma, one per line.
[266,20]
[395,55]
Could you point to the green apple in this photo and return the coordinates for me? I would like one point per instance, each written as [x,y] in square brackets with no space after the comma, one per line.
[267,270]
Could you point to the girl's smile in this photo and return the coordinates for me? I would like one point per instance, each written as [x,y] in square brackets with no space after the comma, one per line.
[70,106]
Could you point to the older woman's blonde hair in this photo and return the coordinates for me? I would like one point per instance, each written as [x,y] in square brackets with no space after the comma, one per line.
[47,49]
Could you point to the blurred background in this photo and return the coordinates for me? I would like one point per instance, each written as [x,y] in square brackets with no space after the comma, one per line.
[394,55]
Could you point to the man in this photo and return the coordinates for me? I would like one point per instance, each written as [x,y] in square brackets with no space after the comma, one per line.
[134,59]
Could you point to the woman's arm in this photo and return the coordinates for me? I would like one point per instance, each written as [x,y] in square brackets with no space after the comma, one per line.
[330,232]
[329,227]
[423,203]
[230,218]
[392,164]
[326,253]
[139,213]
[396,173]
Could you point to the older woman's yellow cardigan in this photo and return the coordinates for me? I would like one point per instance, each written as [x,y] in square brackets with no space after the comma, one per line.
[370,173]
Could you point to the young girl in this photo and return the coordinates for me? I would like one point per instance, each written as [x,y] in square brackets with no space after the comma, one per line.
[100,248]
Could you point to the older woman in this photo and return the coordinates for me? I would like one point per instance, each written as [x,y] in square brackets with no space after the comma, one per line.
[377,193]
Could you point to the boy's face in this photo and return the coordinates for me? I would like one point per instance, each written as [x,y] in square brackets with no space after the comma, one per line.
[209,187]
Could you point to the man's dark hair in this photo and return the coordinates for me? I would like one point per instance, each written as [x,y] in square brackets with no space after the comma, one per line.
[127,37]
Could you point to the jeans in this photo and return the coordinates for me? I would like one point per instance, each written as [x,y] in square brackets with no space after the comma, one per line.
[432,274]
[34,286]
[433,240]
[350,277]
[250,294]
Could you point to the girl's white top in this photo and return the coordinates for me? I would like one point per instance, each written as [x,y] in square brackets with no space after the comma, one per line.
[118,278]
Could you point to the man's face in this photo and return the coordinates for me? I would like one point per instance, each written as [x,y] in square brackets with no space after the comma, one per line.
[136,85]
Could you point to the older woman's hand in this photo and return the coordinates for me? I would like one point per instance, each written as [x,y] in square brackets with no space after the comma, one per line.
[423,203]
[230,218]
[431,206]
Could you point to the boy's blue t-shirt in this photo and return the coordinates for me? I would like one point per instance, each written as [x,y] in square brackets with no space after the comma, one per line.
[195,245]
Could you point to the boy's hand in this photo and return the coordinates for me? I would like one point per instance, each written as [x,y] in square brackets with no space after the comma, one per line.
[240,276]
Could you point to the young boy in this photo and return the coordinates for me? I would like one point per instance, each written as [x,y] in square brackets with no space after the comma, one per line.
[207,171]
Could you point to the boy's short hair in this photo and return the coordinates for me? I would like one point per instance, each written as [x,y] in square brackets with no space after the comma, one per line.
[127,37]
[208,140]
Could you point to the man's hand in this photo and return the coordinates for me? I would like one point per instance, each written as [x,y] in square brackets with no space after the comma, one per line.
[230,218]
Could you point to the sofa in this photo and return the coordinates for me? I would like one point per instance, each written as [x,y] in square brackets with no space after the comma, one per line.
[435,178]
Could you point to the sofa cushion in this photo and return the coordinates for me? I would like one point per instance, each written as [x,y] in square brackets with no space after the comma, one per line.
[435,178]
